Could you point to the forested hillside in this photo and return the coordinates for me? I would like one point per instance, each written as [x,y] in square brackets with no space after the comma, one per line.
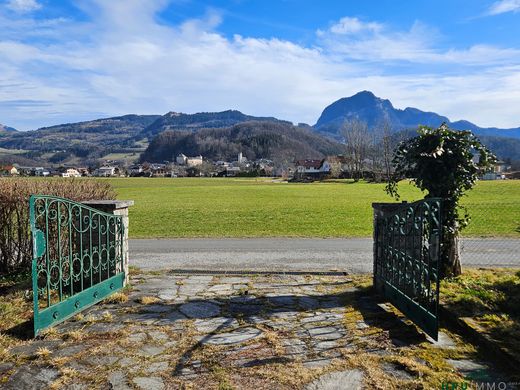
[272,140]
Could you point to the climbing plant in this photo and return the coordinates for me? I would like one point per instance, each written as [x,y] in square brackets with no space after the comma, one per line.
[446,164]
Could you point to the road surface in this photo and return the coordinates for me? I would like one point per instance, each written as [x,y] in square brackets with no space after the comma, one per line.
[353,255]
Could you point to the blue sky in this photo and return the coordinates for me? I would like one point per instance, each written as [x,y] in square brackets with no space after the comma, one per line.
[65,61]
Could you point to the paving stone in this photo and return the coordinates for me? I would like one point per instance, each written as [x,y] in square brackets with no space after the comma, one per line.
[341,380]
[4,367]
[30,377]
[317,363]
[79,367]
[476,371]
[198,279]
[234,280]
[295,347]
[102,360]
[104,327]
[308,302]
[287,301]
[156,367]
[128,362]
[158,336]
[237,287]
[151,350]
[143,318]
[75,386]
[69,350]
[213,324]
[444,341]
[228,338]
[246,309]
[171,318]
[396,371]
[156,308]
[149,383]
[361,325]
[325,345]
[200,309]
[330,303]
[117,381]
[137,337]
[220,288]
[322,317]
[28,350]
[325,333]
[168,294]
[255,319]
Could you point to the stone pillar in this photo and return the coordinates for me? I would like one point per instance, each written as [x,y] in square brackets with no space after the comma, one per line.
[116,207]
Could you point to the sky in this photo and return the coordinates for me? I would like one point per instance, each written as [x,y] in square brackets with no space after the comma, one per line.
[68,61]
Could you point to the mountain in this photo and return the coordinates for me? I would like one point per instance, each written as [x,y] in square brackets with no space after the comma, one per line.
[367,107]
[275,140]
[177,121]
[6,129]
[82,140]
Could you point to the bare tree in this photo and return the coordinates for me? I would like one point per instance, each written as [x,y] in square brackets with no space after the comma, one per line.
[384,147]
[358,142]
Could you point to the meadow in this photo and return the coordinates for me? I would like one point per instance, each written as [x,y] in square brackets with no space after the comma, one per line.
[244,207]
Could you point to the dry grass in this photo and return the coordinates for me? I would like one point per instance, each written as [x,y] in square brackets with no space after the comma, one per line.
[118,297]
[148,300]
[491,299]
[15,238]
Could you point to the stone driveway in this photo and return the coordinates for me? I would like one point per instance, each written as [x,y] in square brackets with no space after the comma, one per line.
[241,332]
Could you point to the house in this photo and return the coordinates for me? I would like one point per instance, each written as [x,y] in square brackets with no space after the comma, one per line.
[499,171]
[41,171]
[241,158]
[501,166]
[194,161]
[312,168]
[83,171]
[8,170]
[71,172]
[181,159]
[136,170]
[25,171]
[106,171]
[156,170]
[232,171]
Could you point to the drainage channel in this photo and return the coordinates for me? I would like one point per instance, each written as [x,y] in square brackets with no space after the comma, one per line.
[252,272]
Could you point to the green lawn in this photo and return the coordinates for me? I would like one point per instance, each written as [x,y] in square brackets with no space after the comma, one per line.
[197,207]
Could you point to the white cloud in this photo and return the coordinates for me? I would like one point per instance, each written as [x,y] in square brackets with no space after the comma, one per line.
[23,5]
[124,61]
[503,6]
[348,25]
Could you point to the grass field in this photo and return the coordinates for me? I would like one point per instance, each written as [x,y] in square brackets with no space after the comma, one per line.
[197,207]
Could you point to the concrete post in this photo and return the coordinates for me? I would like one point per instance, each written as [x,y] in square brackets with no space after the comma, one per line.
[116,207]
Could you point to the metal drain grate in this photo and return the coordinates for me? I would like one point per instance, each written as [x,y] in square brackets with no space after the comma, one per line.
[252,272]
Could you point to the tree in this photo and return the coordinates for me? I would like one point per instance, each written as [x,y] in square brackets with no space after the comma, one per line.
[357,140]
[445,163]
[386,148]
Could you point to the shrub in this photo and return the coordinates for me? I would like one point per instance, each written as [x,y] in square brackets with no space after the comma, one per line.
[15,235]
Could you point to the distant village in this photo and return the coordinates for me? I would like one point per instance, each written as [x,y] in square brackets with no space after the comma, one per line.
[198,166]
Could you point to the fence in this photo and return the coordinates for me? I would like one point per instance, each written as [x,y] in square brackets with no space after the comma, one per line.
[493,234]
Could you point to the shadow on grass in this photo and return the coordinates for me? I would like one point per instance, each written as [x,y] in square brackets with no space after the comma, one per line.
[16,306]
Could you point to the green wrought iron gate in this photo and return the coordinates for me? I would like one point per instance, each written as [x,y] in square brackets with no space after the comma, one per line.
[78,257]
[407,243]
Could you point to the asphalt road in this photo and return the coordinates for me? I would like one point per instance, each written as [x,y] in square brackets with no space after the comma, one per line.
[353,255]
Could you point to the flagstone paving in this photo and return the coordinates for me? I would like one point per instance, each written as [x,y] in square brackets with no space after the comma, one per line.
[244,332]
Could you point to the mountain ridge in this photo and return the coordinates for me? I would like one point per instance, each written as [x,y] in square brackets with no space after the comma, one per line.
[373,110]
[7,129]
[177,121]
